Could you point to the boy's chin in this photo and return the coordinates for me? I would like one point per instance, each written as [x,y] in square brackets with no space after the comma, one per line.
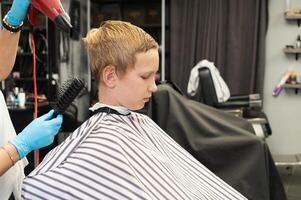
[138,107]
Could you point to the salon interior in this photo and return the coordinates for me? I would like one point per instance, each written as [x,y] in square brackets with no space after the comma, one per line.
[235,62]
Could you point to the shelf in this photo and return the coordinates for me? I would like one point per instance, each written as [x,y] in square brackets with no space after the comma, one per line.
[293,15]
[5,3]
[38,27]
[30,79]
[296,51]
[30,54]
[292,50]
[296,86]
[24,54]
[28,106]
[292,86]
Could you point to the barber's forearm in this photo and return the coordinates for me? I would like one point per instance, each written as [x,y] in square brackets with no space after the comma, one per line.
[8,50]
[6,155]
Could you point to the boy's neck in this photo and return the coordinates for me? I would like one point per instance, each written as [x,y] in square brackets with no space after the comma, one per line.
[106,96]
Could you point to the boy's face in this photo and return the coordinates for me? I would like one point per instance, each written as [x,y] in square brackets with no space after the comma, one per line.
[136,86]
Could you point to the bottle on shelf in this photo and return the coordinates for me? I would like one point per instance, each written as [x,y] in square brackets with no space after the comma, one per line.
[22,98]
[287,5]
[292,78]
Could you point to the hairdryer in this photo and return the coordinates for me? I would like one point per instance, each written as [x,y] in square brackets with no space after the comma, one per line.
[53,9]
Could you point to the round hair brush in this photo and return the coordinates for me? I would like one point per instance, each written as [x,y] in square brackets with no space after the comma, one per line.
[67,93]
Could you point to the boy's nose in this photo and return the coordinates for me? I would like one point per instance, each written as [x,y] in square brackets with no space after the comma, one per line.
[153,87]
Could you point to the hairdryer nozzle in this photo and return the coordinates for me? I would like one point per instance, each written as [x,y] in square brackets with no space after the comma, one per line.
[52,9]
[63,22]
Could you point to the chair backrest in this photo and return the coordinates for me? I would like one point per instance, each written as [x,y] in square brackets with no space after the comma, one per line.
[254,114]
[207,87]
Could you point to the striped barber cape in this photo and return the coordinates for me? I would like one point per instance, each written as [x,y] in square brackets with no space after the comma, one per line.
[122,156]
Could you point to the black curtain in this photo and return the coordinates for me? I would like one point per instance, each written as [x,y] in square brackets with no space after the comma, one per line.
[230,33]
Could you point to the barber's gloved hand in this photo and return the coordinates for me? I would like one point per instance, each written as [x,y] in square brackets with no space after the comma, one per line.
[39,133]
[17,12]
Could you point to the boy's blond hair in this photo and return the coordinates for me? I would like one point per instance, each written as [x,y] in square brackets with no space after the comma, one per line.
[116,43]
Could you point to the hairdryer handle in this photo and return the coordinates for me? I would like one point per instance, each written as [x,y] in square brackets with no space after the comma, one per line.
[32,15]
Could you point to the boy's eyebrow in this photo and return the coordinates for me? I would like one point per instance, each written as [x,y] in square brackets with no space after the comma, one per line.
[148,72]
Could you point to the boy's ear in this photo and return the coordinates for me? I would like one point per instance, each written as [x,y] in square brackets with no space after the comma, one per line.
[109,75]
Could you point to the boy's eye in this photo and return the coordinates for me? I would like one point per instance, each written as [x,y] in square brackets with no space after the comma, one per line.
[145,77]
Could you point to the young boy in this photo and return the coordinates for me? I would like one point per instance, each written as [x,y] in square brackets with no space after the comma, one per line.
[118,153]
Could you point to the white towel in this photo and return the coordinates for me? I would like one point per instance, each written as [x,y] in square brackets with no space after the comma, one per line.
[221,88]
[11,181]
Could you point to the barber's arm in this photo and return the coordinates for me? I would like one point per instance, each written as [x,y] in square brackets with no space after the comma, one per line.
[8,157]
[8,51]
[39,133]
[9,40]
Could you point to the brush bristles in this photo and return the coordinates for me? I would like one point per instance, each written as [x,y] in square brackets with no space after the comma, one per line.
[68,92]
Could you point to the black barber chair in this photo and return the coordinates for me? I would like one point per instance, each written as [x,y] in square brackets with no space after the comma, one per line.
[225,144]
[245,106]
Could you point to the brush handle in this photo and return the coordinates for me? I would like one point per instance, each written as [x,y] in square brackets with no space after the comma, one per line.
[55,113]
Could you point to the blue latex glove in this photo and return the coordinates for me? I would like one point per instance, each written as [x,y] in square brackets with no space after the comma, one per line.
[39,133]
[17,12]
